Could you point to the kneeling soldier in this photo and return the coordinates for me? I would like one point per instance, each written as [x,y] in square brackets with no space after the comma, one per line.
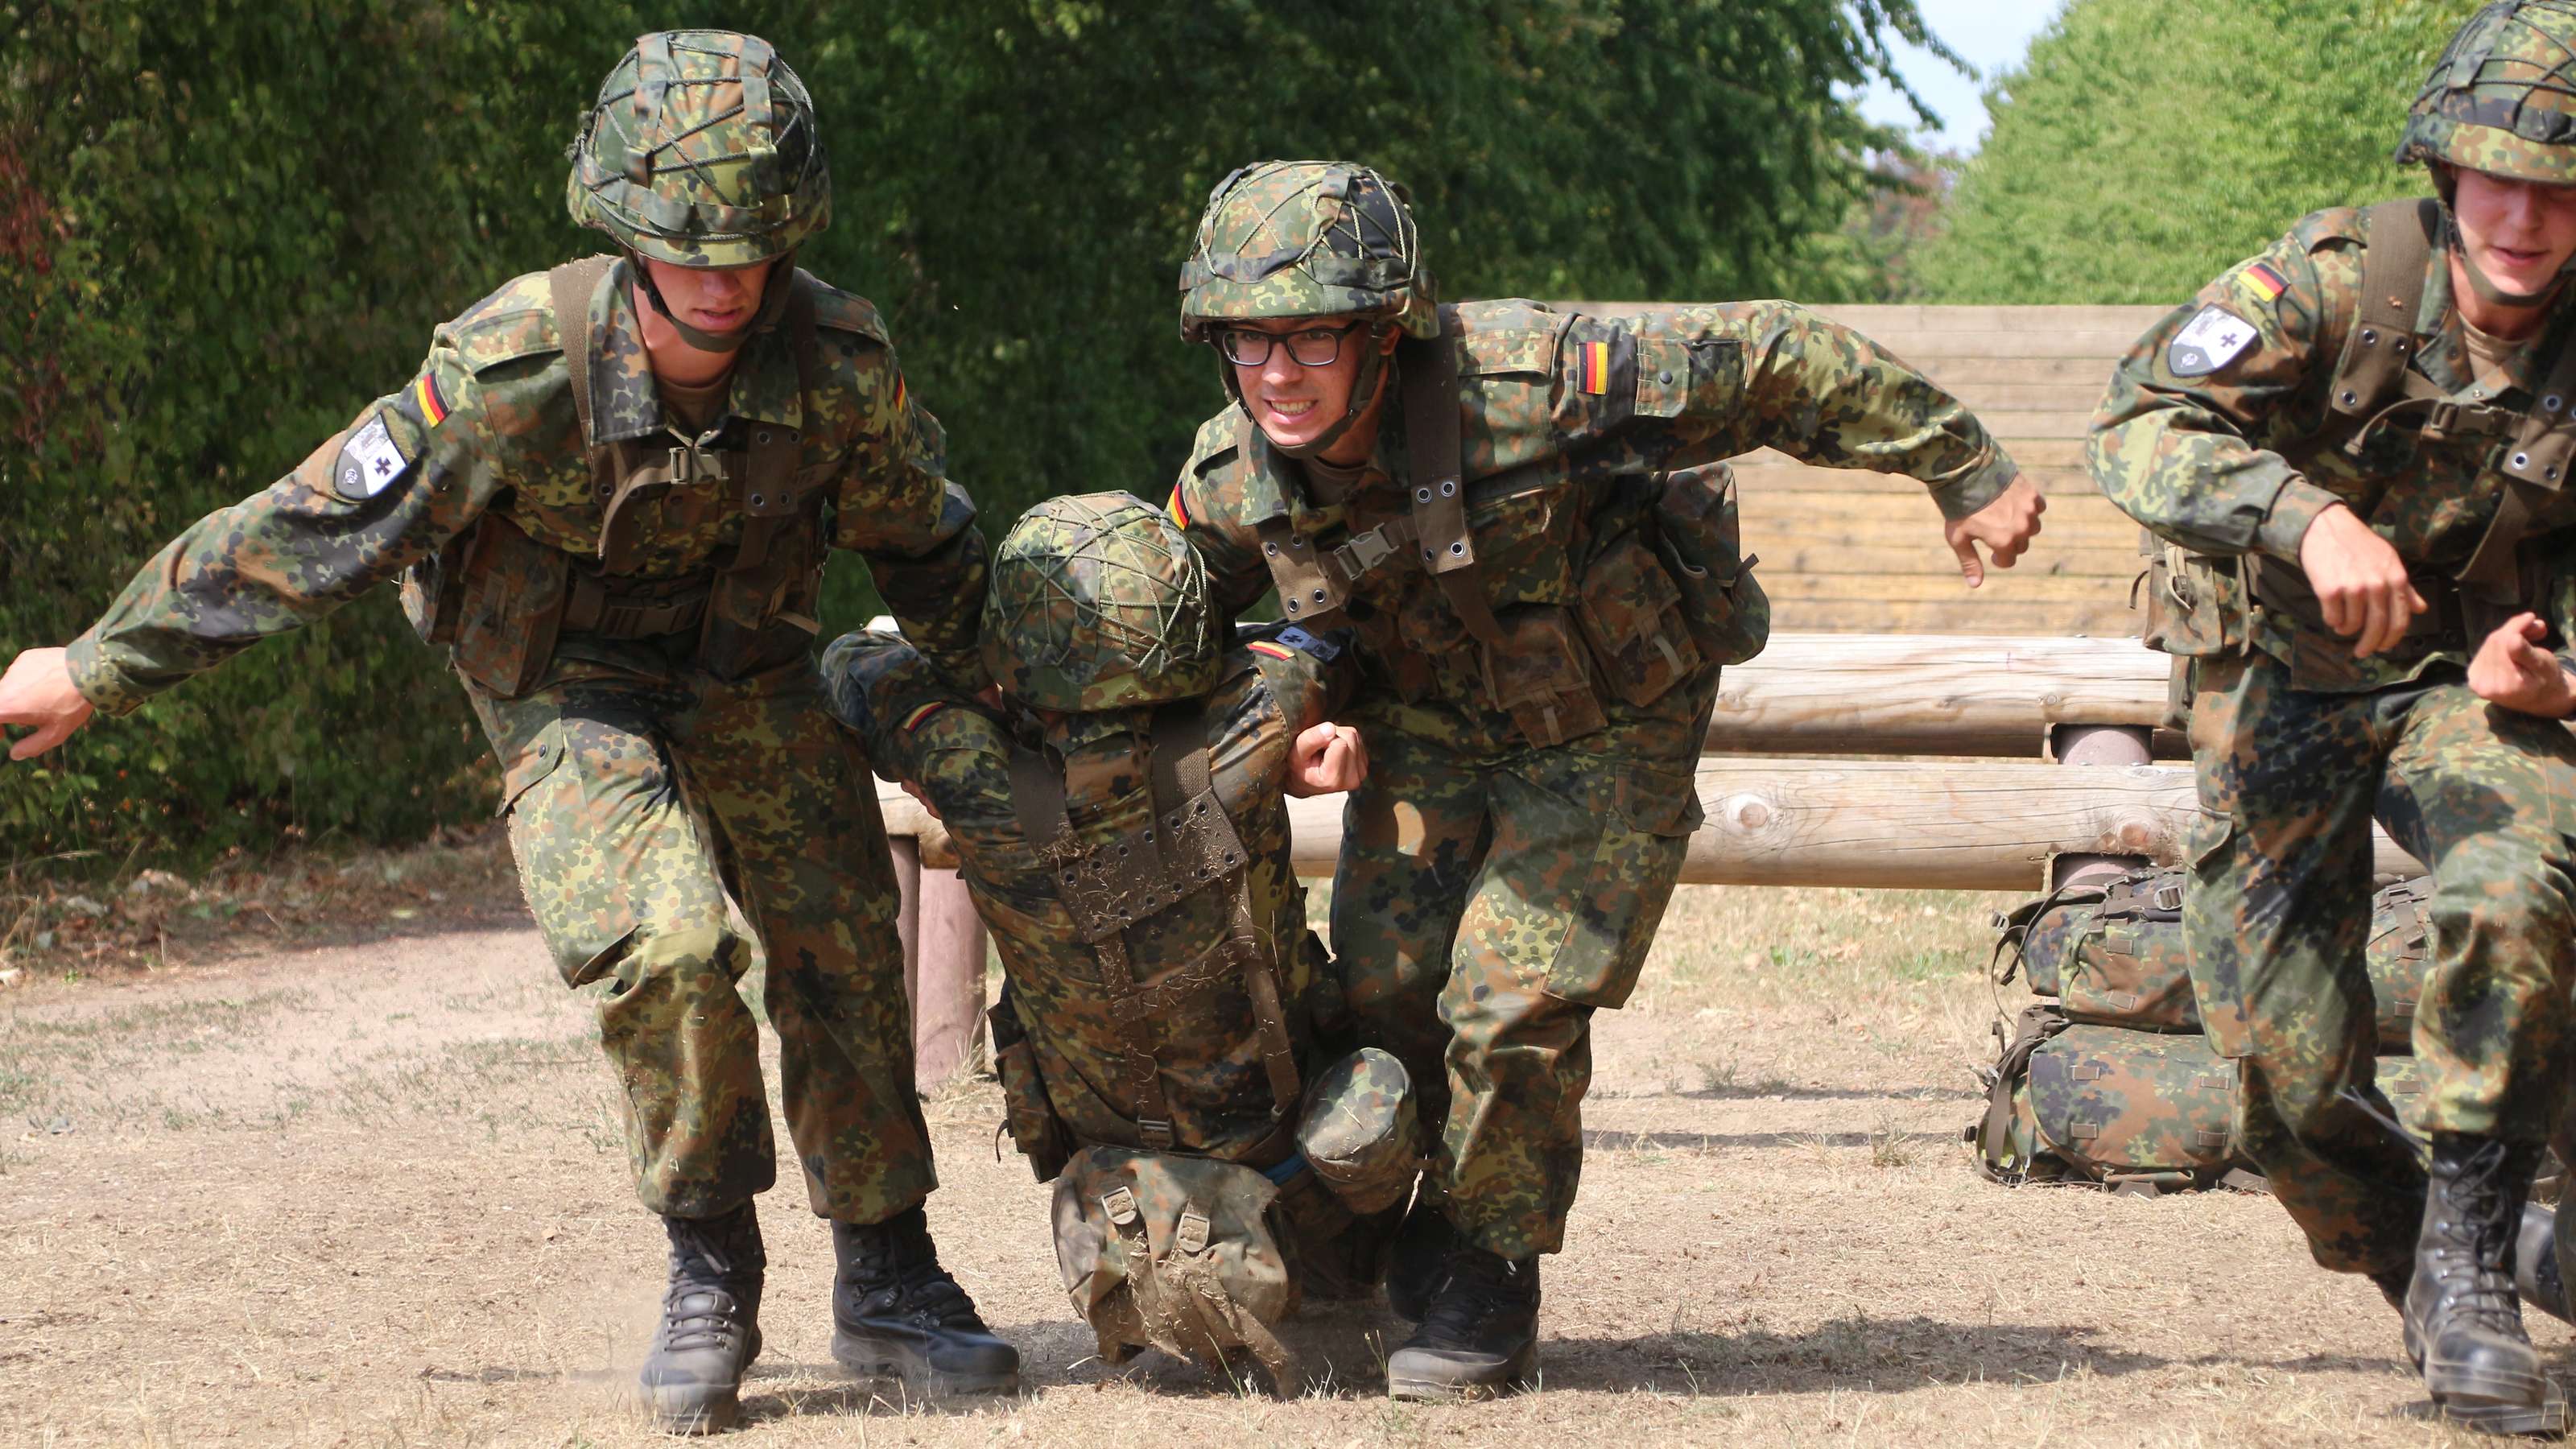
[1123,828]
[2363,436]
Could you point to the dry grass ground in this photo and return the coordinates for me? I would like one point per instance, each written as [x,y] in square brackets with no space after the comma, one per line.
[368,1188]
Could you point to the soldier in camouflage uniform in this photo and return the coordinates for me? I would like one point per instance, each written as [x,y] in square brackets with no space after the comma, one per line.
[610,489]
[2361,437]
[1537,550]
[1168,1031]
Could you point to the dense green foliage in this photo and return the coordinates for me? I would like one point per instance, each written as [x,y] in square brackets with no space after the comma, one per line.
[2141,149]
[225,226]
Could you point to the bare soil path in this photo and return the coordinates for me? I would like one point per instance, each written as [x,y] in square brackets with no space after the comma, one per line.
[371,1190]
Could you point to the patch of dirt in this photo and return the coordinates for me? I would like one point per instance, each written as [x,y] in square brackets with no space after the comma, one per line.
[372,1190]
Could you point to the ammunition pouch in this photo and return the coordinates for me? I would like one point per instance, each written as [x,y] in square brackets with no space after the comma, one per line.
[509,609]
[1539,674]
[1631,614]
[1701,543]
[1160,1250]
[433,590]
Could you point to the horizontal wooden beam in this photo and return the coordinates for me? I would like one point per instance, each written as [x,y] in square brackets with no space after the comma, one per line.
[1912,824]
[1926,694]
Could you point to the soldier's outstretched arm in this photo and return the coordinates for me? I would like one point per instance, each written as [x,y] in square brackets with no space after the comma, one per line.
[917,530]
[400,481]
[38,692]
[1823,393]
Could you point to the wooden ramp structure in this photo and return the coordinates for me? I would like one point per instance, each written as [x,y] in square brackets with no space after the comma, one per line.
[1851,552]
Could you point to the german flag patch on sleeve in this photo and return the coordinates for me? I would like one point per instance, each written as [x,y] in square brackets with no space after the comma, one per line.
[2265,283]
[913,721]
[1592,368]
[1178,510]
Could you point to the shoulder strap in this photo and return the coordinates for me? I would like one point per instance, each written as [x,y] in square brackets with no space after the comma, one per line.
[2372,369]
[1431,424]
[573,285]
[1181,781]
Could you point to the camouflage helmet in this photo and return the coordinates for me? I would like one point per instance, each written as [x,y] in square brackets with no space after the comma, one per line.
[2502,99]
[1098,602]
[1307,239]
[702,151]
[1358,1131]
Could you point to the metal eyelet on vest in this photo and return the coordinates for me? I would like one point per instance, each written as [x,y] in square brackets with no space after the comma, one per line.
[1421,495]
[1297,542]
[1271,549]
[1319,596]
[2550,473]
[1292,606]
[2552,403]
[2522,460]
[2350,397]
[1449,489]
[761,437]
[1458,549]
[2370,337]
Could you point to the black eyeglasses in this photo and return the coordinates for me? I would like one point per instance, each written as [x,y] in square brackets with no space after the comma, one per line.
[1307,347]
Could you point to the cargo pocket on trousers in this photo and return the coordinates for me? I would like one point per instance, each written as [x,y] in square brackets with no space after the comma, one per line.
[535,761]
[1635,861]
[2216,983]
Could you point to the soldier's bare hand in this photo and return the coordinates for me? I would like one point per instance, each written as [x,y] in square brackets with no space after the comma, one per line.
[38,691]
[1326,759]
[2005,526]
[2512,670]
[2359,580]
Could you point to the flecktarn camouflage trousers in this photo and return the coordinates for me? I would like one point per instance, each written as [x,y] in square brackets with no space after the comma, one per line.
[637,805]
[2279,909]
[1491,896]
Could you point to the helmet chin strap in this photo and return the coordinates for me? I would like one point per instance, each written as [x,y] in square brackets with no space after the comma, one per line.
[1364,391]
[773,304]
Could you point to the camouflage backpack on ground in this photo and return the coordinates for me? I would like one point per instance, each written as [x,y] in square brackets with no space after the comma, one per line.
[2108,1079]
[2138,1111]
[1161,1250]
[2113,955]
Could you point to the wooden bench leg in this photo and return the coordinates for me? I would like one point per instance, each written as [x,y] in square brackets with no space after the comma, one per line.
[946,978]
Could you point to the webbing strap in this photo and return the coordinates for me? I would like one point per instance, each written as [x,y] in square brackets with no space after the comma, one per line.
[1037,798]
[2373,365]
[1180,775]
[572,286]
[1431,423]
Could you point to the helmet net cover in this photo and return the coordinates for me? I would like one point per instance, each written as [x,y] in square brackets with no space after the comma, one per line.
[702,150]
[1098,601]
[1307,239]
[2502,98]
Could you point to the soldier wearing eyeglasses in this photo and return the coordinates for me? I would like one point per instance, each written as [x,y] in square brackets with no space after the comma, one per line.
[1524,514]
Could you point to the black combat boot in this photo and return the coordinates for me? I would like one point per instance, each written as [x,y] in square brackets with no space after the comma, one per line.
[1419,1256]
[710,1333]
[2478,1365]
[896,1313]
[1479,1333]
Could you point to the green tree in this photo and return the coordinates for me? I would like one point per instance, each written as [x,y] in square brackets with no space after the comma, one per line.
[224,226]
[2141,149]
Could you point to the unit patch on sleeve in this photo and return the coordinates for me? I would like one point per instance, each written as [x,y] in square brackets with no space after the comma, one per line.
[2209,342]
[369,462]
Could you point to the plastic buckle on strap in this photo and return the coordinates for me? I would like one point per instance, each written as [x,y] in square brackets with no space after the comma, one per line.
[1120,1204]
[688,465]
[2439,419]
[1157,1134]
[1364,552]
[2169,897]
[1193,1234]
